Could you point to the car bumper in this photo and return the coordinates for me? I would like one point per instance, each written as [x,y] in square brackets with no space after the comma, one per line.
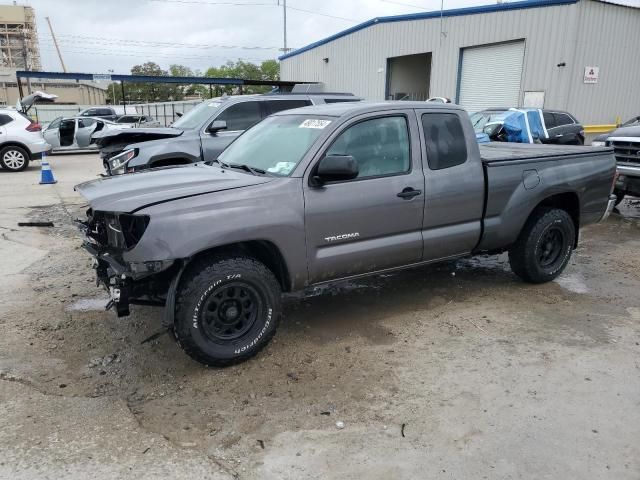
[38,148]
[610,205]
[628,170]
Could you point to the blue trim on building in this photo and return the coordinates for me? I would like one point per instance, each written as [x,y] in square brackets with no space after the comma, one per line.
[456,12]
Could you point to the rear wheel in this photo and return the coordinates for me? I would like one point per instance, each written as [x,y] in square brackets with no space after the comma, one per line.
[13,158]
[544,246]
[227,310]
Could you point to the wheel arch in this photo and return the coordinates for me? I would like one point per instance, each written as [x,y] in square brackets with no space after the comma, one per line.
[567,201]
[264,251]
[14,143]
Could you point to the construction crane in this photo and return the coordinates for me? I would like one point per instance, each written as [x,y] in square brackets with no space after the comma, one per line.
[55,42]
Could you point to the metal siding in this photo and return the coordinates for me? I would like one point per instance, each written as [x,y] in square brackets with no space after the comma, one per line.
[586,33]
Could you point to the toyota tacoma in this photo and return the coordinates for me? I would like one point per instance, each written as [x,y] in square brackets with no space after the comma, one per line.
[326,193]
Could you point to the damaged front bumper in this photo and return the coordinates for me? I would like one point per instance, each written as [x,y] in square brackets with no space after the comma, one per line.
[127,282]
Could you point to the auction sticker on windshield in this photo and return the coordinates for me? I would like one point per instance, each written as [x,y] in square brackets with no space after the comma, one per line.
[314,123]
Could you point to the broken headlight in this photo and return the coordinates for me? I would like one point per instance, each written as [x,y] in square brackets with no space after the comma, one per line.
[123,230]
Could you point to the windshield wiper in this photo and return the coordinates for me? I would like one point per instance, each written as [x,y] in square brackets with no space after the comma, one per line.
[215,160]
[245,167]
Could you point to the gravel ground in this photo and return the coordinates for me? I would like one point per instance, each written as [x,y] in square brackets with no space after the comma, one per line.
[453,371]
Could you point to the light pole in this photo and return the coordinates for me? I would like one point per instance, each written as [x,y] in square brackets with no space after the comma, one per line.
[113,90]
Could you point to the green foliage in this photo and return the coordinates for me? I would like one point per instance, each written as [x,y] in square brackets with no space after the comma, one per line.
[163,92]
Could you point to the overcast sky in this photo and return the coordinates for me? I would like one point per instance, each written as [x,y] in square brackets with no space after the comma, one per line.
[100,35]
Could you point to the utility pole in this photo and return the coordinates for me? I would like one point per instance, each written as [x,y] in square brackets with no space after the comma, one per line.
[284,48]
[55,42]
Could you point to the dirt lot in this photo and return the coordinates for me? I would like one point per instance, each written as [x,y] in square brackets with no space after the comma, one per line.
[456,371]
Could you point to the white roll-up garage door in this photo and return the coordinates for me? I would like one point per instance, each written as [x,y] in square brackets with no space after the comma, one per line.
[490,76]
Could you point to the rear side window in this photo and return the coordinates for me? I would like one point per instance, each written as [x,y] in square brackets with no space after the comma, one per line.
[105,111]
[445,140]
[549,120]
[563,119]
[241,115]
[380,146]
[4,119]
[280,105]
[340,100]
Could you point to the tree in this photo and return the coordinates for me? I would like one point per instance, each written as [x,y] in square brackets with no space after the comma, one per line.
[162,92]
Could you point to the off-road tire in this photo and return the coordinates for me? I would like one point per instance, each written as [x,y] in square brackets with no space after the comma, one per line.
[204,290]
[527,255]
[7,164]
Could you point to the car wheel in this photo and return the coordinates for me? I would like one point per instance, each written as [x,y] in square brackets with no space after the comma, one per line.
[13,158]
[227,310]
[544,246]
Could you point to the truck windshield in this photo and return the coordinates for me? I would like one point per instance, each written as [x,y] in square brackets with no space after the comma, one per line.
[480,119]
[197,116]
[276,144]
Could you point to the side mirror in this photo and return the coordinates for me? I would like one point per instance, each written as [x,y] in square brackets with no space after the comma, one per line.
[216,126]
[179,114]
[334,168]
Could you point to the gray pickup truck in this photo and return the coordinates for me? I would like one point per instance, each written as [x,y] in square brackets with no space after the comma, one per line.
[331,192]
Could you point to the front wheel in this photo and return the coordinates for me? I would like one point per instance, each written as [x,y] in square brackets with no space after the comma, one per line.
[13,158]
[544,246]
[227,310]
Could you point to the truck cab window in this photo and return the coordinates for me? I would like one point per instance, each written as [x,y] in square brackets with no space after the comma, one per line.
[380,146]
[444,139]
[241,115]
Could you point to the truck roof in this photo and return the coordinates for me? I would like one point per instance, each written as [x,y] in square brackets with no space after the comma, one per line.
[356,108]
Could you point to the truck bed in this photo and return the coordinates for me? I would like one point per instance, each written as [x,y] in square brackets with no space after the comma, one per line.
[506,152]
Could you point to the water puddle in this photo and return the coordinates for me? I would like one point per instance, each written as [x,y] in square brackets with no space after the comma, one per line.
[574,282]
[88,304]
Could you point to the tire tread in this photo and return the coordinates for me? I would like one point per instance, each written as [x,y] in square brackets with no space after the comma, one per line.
[200,271]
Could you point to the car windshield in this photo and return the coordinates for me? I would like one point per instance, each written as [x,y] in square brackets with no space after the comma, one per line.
[631,122]
[277,144]
[480,119]
[198,115]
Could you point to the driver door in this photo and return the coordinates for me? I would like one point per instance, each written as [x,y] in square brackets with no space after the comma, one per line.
[239,117]
[84,130]
[52,133]
[374,221]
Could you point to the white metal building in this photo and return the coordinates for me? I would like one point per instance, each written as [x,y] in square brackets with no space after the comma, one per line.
[582,56]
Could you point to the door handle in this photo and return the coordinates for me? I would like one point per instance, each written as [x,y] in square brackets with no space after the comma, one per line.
[409,192]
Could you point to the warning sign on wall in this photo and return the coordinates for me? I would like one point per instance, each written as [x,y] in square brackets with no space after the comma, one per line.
[591,74]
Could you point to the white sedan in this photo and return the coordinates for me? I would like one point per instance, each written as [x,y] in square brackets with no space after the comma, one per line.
[75,133]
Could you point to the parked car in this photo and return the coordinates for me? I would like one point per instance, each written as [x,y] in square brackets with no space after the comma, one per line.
[139,121]
[562,128]
[21,138]
[200,134]
[107,112]
[330,192]
[75,133]
[626,146]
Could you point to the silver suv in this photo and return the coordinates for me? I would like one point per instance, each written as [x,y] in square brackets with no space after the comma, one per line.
[200,134]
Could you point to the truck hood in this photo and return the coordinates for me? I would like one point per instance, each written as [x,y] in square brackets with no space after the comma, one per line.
[626,132]
[128,193]
[104,138]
